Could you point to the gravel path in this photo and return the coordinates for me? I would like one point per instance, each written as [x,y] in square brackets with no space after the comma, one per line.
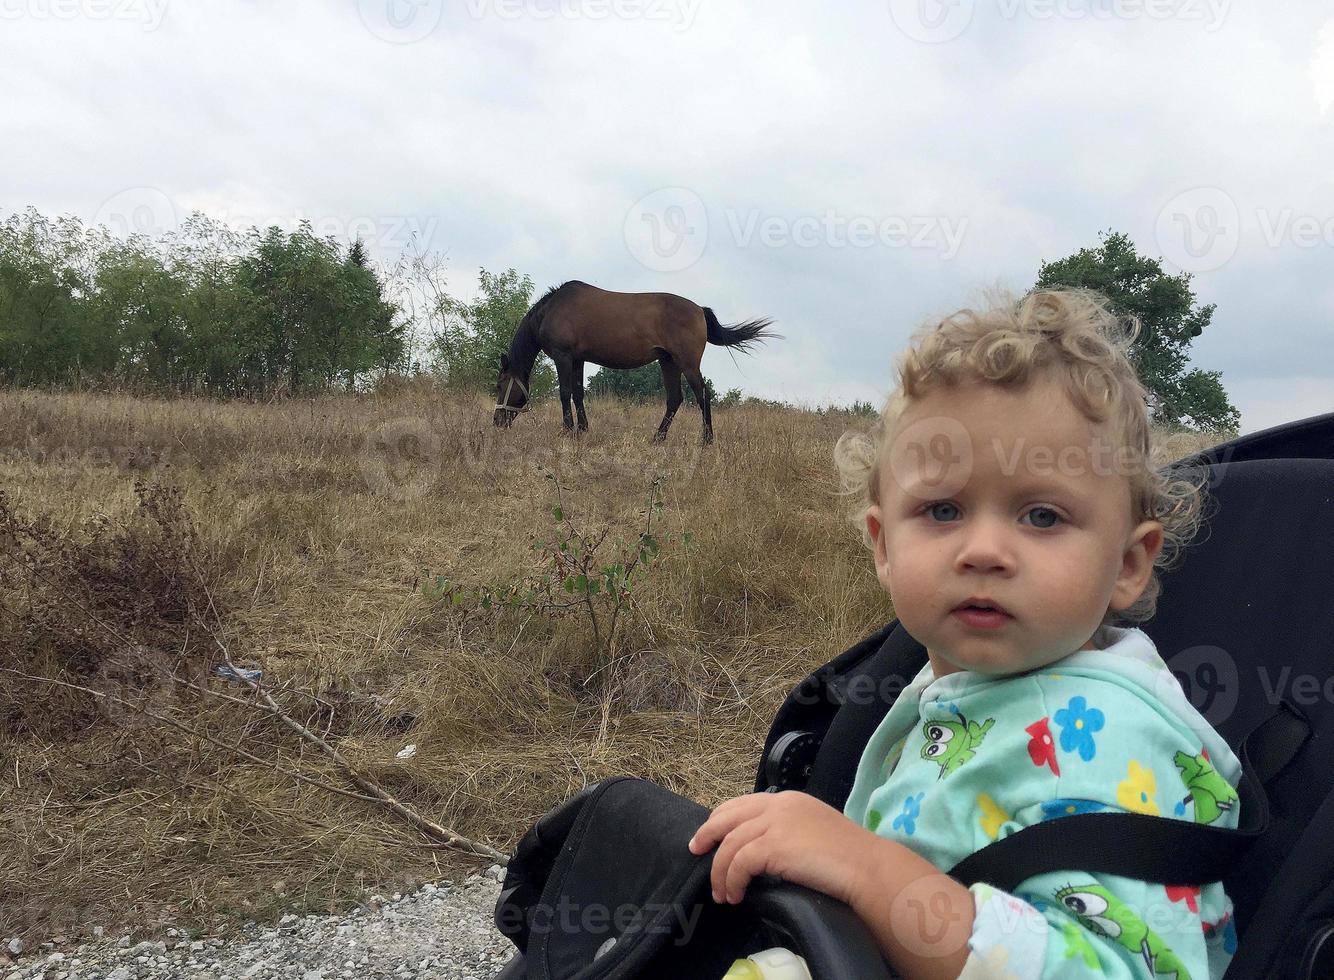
[442,932]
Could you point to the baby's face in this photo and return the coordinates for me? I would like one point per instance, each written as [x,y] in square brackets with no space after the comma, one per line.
[1012,496]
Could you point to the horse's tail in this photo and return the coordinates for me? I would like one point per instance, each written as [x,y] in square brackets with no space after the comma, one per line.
[742,335]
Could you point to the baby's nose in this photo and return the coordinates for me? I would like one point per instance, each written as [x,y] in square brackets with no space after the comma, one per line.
[985,547]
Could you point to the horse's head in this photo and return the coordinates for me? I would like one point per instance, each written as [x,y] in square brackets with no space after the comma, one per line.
[511,394]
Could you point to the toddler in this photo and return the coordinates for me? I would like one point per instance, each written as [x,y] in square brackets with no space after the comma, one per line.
[1015,515]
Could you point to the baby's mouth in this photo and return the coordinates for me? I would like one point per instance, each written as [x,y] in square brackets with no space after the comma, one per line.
[981,614]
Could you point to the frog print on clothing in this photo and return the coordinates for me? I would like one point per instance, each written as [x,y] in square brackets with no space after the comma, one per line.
[949,744]
[1098,910]
[1212,794]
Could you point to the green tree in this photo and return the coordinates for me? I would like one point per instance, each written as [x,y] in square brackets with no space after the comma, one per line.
[642,384]
[203,308]
[466,348]
[135,316]
[44,275]
[318,317]
[1169,323]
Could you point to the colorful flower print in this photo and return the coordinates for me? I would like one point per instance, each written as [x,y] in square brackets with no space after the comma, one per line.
[993,817]
[1067,807]
[1190,894]
[907,820]
[1136,791]
[1078,723]
[1041,748]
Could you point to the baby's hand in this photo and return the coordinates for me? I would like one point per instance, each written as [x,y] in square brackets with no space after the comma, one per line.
[792,835]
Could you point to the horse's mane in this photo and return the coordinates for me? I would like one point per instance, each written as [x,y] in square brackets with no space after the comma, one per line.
[533,317]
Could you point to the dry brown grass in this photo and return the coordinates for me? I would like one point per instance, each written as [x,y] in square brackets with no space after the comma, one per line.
[314,541]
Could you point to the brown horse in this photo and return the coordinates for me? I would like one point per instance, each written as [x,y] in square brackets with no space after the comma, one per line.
[575,322]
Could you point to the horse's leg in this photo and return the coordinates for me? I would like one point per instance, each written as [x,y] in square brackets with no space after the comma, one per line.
[579,395]
[671,380]
[701,391]
[565,374]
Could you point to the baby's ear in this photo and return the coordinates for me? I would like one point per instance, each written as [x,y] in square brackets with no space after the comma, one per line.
[872,518]
[875,529]
[1146,541]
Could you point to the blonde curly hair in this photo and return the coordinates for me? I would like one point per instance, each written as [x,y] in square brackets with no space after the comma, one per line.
[1068,334]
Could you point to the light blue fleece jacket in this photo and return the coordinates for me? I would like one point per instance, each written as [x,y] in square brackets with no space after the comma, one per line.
[963,760]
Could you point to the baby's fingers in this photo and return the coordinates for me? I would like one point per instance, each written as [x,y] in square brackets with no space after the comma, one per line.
[720,822]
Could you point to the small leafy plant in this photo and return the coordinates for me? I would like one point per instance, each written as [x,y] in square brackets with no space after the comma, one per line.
[576,570]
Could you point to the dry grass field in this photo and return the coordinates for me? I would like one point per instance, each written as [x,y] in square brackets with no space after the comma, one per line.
[139,538]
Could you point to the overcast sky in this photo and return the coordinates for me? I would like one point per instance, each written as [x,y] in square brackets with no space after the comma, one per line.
[847,169]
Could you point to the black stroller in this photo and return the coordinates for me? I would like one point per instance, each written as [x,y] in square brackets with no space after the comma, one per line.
[1246,622]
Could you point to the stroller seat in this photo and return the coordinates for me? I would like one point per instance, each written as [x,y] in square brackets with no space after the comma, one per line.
[1246,622]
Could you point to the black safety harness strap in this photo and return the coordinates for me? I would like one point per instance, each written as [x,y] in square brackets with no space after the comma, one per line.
[1166,851]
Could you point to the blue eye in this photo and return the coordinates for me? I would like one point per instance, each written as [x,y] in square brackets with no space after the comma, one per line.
[931,508]
[1045,510]
[1049,519]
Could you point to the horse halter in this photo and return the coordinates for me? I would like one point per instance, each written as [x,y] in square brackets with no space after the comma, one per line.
[504,404]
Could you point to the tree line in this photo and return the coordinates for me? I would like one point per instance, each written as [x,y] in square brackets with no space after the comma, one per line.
[207,309]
